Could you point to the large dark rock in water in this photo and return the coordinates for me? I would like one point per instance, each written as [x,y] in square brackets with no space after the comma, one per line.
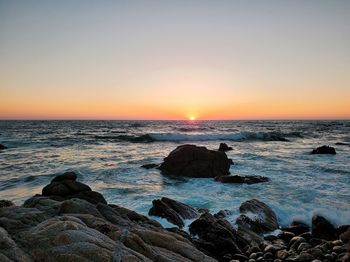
[224,147]
[241,179]
[257,216]
[65,186]
[322,228]
[173,211]
[324,150]
[215,235]
[2,147]
[195,161]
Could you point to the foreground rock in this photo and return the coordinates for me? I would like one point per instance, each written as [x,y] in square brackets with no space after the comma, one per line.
[241,179]
[322,228]
[195,161]
[173,211]
[224,147]
[65,186]
[60,228]
[324,150]
[257,216]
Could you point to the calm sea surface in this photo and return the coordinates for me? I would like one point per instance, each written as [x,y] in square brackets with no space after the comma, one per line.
[107,155]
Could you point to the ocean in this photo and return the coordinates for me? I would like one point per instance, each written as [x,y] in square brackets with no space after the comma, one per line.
[107,155]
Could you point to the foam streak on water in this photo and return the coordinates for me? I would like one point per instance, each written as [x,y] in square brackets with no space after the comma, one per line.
[108,155]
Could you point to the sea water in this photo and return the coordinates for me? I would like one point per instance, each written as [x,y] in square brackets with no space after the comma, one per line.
[107,155]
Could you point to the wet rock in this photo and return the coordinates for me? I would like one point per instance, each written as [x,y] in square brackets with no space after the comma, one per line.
[6,203]
[324,150]
[65,176]
[149,166]
[249,237]
[282,254]
[217,232]
[241,179]
[2,147]
[261,217]
[195,161]
[286,236]
[295,242]
[322,228]
[9,251]
[297,228]
[173,211]
[345,237]
[224,147]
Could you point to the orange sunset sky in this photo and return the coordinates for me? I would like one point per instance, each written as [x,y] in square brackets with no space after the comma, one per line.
[175,59]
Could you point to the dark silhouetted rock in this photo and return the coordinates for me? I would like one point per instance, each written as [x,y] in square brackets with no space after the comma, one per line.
[215,235]
[342,144]
[297,228]
[173,211]
[241,179]
[195,161]
[6,203]
[149,166]
[224,147]
[324,150]
[2,147]
[322,228]
[65,176]
[257,216]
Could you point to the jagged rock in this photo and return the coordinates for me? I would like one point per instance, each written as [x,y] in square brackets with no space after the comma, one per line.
[195,161]
[149,166]
[215,235]
[324,150]
[175,212]
[257,216]
[241,179]
[322,228]
[224,147]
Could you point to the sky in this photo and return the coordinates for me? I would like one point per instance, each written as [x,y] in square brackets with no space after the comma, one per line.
[178,59]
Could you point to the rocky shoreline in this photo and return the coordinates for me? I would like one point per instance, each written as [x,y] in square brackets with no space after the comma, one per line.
[69,221]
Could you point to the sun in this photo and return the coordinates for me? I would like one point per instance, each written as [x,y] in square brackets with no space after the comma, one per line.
[192,118]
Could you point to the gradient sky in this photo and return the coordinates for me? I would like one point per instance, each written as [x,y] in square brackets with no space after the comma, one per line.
[174,59]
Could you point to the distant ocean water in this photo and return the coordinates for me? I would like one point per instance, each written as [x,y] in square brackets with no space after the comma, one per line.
[107,155]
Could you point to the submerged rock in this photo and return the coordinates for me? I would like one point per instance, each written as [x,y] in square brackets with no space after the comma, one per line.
[149,166]
[173,211]
[322,228]
[195,161]
[324,150]
[224,147]
[257,216]
[241,179]
[2,147]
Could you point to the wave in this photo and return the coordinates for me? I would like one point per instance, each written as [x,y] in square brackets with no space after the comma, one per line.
[181,137]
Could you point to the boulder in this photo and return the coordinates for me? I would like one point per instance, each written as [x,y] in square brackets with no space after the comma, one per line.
[65,176]
[195,161]
[241,179]
[173,211]
[323,229]
[257,216]
[224,147]
[324,150]
[9,251]
[216,236]
[297,228]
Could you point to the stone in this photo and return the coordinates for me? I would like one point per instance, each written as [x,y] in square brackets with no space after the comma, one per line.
[297,228]
[224,147]
[195,161]
[218,232]
[175,212]
[2,147]
[261,217]
[9,250]
[295,242]
[324,150]
[322,228]
[6,203]
[65,176]
[241,179]
[345,237]
[286,236]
